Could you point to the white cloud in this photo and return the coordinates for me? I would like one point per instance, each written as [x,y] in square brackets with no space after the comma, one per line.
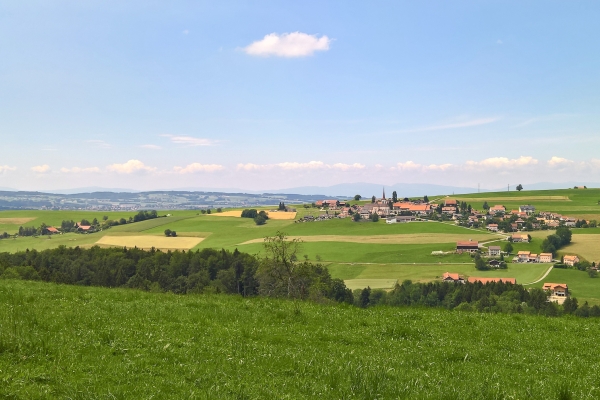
[409,165]
[559,162]
[309,165]
[295,44]
[346,167]
[151,147]
[41,168]
[99,143]
[190,140]
[296,166]
[197,167]
[6,168]
[77,170]
[502,162]
[412,166]
[130,167]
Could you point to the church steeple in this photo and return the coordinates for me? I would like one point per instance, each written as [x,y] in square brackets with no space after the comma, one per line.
[383,194]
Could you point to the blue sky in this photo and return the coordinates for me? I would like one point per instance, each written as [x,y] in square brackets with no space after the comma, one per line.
[268,95]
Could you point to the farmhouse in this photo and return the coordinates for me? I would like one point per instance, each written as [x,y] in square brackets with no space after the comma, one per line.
[473,279]
[545,257]
[494,251]
[570,260]
[529,209]
[456,278]
[492,227]
[557,289]
[523,256]
[450,203]
[518,238]
[534,258]
[469,247]
[51,230]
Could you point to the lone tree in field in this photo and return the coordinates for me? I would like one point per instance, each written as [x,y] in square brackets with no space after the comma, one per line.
[357,197]
[425,199]
[519,187]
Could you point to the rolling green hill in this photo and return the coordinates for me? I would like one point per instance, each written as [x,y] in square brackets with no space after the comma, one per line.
[83,342]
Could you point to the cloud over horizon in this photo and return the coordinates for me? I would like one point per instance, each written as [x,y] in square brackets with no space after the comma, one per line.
[294,44]
[130,167]
[197,167]
[41,169]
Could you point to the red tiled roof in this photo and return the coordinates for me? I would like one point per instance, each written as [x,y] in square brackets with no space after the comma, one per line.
[552,286]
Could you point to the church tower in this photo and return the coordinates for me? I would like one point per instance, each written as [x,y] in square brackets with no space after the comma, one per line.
[383,194]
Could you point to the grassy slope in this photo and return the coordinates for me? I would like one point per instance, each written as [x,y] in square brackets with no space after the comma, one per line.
[75,342]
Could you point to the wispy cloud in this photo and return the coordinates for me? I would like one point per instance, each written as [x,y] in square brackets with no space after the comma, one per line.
[78,170]
[101,144]
[151,146]
[130,167]
[455,125]
[197,167]
[41,169]
[190,140]
[6,168]
[295,44]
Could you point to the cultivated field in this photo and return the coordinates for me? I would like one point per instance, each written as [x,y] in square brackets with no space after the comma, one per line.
[15,221]
[587,246]
[148,241]
[412,238]
[379,275]
[73,342]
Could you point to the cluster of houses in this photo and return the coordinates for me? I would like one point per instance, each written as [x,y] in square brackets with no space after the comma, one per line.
[522,256]
[557,292]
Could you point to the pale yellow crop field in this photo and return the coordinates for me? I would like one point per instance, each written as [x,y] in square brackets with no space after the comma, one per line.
[148,241]
[408,238]
[15,221]
[271,214]
[587,246]
[281,215]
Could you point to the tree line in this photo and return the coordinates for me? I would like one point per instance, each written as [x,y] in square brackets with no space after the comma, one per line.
[277,274]
[490,297]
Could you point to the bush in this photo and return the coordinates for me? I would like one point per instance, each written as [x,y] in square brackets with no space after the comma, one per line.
[251,213]
[260,220]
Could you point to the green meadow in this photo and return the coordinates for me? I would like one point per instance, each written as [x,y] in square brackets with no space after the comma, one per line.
[83,342]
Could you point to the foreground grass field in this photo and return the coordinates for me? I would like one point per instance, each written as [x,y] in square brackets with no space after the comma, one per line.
[81,342]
